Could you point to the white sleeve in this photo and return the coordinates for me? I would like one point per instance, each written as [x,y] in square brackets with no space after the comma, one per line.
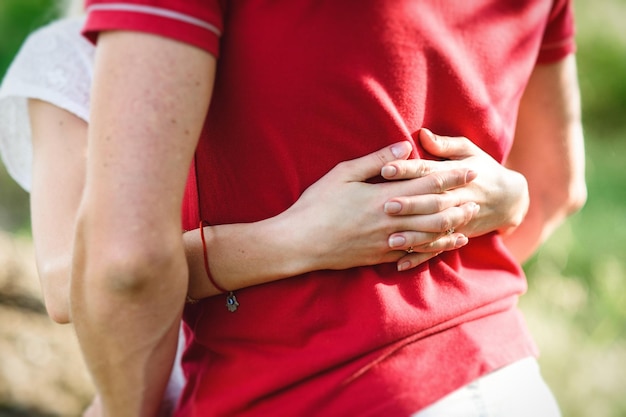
[55,64]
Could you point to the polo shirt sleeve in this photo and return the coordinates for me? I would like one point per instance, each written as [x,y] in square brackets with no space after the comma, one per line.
[195,22]
[558,38]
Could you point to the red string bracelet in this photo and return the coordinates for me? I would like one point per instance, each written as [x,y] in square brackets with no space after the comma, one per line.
[231,301]
[206,260]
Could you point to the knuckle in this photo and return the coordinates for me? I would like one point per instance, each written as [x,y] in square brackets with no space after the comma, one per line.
[422,169]
[401,167]
[460,175]
[420,238]
[408,169]
[381,158]
[469,213]
[439,202]
[413,207]
[439,183]
[430,246]
[445,224]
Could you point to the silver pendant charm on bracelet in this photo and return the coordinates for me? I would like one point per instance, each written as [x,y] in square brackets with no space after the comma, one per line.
[231,302]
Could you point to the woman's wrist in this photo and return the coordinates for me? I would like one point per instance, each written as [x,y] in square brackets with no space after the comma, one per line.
[516,189]
[241,255]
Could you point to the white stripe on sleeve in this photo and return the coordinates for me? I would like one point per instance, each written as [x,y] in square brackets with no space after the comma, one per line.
[155,11]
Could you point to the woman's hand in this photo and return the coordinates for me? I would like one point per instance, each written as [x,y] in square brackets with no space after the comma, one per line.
[501,193]
[342,220]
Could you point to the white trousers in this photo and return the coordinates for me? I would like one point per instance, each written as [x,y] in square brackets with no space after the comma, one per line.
[516,390]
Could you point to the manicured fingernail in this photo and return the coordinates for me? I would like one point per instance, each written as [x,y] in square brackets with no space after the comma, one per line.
[461,241]
[388,171]
[400,150]
[392,207]
[430,134]
[396,241]
[471,175]
[404,266]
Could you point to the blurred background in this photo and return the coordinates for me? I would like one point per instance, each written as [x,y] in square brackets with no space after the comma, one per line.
[575,306]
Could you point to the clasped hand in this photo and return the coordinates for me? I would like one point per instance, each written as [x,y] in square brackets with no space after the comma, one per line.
[426,207]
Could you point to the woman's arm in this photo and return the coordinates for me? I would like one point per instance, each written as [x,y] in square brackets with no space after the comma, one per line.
[549,151]
[59,161]
[337,223]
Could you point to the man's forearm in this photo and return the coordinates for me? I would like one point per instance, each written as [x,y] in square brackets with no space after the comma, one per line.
[549,151]
[129,275]
[128,335]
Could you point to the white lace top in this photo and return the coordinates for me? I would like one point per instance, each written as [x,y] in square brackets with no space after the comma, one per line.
[55,64]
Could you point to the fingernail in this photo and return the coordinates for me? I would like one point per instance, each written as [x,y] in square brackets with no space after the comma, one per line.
[400,150]
[396,241]
[392,207]
[388,171]
[476,208]
[461,241]
[430,134]
[471,175]
[404,266]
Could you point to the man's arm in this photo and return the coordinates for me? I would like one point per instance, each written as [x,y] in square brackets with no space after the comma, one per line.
[150,97]
[549,151]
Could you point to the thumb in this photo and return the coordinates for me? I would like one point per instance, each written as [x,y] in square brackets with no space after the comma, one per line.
[444,146]
[370,165]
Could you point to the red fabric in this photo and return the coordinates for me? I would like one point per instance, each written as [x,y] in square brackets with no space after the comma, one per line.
[159,17]
[190,209]
[302,85]
[557,40]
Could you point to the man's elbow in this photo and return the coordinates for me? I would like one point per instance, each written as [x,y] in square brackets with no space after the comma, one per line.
[58,309]
[576,197]
[133,272]
[557,203]
[110,274]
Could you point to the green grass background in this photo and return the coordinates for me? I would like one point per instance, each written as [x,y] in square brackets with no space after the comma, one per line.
[576,304]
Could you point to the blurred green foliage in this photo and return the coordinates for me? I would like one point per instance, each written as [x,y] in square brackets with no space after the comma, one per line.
[602,66]
[17,19]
